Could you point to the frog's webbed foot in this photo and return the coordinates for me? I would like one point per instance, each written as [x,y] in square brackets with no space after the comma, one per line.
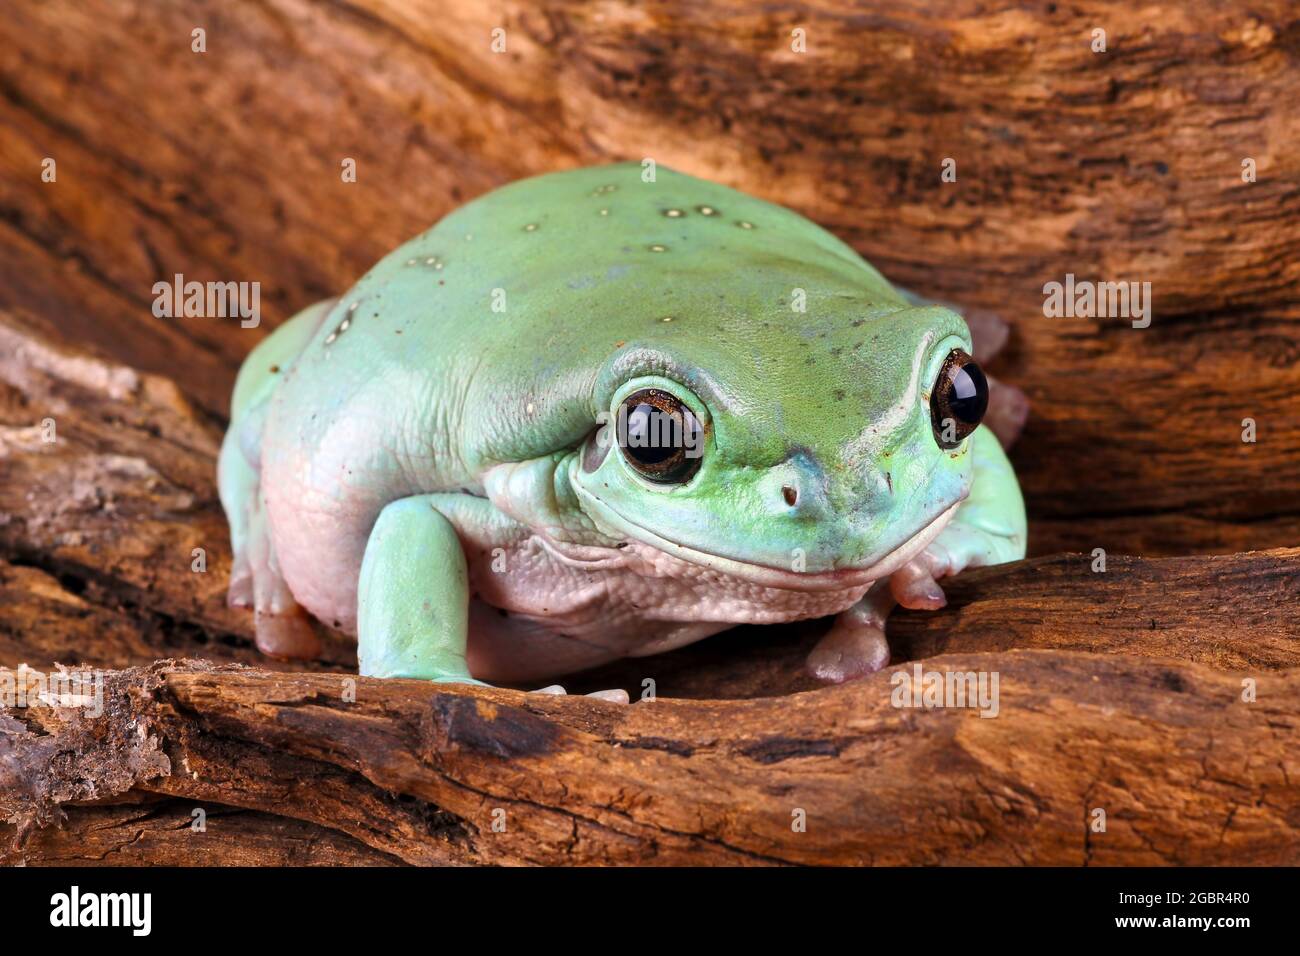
[855,646]
[615,696]
[287,634]
[916,584]
[283,628]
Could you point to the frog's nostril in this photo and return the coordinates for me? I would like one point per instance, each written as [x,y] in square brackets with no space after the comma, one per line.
[790,494]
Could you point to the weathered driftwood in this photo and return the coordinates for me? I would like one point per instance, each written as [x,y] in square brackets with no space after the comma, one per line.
[1185,770]
[102,528]
[1107,701]
[162,832]
[1123,165]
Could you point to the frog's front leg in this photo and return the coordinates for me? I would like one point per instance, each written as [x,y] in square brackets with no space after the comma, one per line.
[855,646]
[988,528]
[413,593]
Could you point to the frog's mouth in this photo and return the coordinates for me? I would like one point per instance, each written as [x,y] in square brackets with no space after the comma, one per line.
[769,575]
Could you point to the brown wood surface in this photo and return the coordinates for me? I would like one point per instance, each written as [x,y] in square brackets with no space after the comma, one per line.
[161,832]
[1121,690]
[1185,770]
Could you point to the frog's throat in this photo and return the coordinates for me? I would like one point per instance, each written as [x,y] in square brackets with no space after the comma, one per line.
[767,575]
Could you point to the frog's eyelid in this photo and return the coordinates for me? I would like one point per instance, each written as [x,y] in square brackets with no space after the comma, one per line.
[928,370]
[684,393]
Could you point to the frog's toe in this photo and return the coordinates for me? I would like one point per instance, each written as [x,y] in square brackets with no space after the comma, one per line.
[287,634]
[988,330]
[1007,412]
[613,696]
[913,586]
[240,592]
[847,652]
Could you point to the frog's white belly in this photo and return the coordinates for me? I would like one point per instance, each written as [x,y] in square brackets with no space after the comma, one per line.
[538,614]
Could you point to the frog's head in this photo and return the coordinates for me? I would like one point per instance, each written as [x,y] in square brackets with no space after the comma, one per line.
[796,456]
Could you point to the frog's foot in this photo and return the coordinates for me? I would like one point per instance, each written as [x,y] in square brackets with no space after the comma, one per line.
[287,634]
[915,585]
[616,696]
[855,646]
[1007,411]
[988,331]
[971,540]
[284,629]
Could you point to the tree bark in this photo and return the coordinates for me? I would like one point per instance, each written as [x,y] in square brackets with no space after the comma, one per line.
[1184,770]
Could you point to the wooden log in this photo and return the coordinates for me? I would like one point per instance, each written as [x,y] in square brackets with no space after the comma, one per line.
[1185,770]
[108,505]
[1123,165]
[161,832]
[99,530]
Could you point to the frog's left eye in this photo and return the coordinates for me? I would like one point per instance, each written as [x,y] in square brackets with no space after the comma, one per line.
[958,399]
[659,436]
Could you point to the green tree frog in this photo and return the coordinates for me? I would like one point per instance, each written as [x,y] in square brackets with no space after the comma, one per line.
[589,416]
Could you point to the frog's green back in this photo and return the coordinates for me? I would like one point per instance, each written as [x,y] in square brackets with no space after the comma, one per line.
[505,320]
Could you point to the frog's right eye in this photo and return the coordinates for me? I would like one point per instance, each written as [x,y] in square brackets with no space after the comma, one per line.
[659,436]
[958,399]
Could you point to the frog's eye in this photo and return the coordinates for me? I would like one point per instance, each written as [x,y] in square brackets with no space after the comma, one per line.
[659,436]
[958,399]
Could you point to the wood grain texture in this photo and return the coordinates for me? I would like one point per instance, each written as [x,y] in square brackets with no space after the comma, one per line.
[1115,166]
[161,832]
[1186,771]
[99,528]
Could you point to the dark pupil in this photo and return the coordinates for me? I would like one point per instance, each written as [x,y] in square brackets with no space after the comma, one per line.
[653,436]
[968,394]
[659,436]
